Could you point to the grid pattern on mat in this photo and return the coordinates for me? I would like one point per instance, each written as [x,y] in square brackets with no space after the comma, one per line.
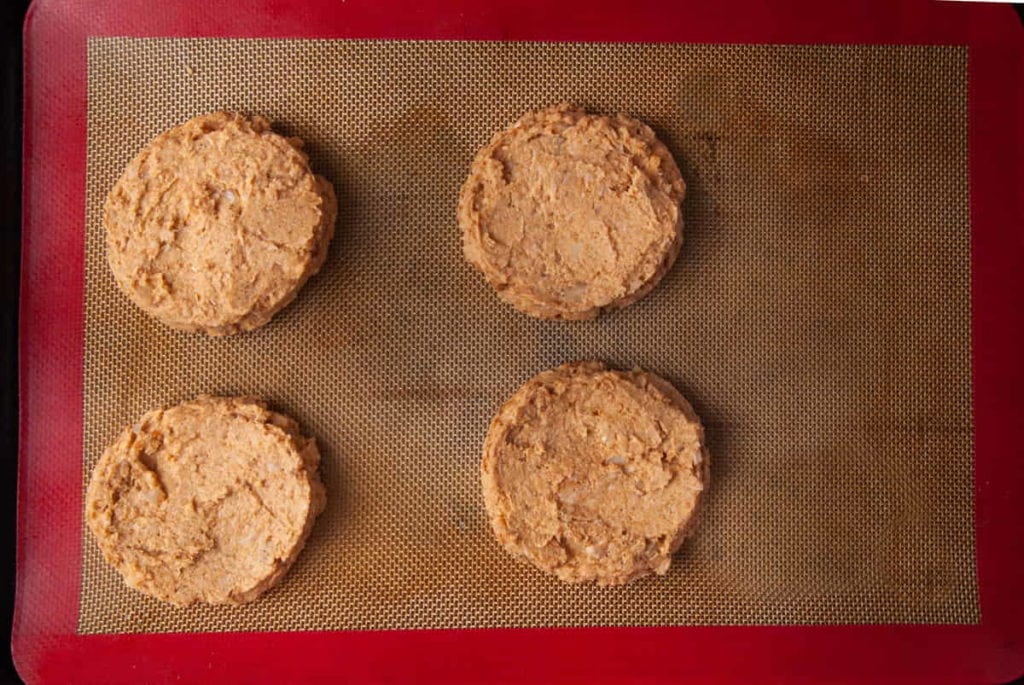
[818,319]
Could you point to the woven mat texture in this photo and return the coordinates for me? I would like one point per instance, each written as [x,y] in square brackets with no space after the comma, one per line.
[818,318]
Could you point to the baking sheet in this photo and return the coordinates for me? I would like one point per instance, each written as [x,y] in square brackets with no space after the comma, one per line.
[818,319]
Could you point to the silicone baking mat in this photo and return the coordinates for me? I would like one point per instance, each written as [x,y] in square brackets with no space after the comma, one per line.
[818,319]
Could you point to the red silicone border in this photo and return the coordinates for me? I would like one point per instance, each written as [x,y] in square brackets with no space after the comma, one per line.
[45,646]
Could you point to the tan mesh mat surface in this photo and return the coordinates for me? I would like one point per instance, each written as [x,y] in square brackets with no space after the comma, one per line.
[818,318]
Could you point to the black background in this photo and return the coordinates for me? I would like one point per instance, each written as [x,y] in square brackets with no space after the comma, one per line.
[11,17]
[11,14]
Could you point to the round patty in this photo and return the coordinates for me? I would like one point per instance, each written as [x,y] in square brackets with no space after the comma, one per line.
[567,213]
[217,223]
[209,501]
[593,474]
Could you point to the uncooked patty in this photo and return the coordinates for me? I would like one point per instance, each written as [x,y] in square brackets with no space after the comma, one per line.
[209,501]
[217,223]
[593,474]
[567,213]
